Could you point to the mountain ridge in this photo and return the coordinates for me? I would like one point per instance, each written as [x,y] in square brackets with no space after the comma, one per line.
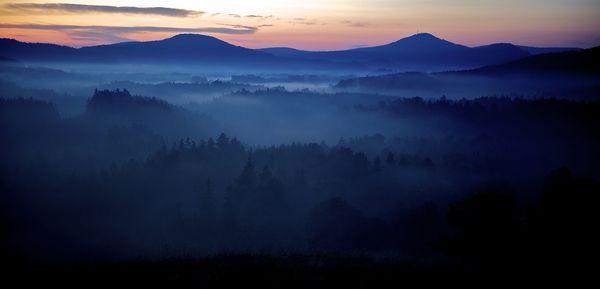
[422,52]
[419,52]
[573,73]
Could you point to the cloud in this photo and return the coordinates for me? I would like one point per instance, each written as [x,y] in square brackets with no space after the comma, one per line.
[259,17]
[306,22]
[91,35]
[238,26]
[133,29]
[45,8]
[355,23]
[250,16]
[118,33]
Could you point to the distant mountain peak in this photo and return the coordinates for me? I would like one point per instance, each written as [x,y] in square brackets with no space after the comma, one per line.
[424,42]
[423,35]
[189,36]
[421,39]
[192,38]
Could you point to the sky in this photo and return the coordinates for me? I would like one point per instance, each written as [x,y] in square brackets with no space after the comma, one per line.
[305,24]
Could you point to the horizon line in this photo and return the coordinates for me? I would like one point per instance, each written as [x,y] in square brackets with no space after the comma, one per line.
[290,47]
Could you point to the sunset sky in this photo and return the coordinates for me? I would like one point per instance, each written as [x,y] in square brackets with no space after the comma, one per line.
[305,24]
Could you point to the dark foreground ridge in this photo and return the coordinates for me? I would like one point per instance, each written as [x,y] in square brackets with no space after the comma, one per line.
[287,271]
[235,271]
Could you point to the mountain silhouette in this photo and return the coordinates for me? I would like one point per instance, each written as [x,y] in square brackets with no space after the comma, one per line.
[542,50]
[570,73]
[498,53]
[418,43]
[413,43]
[282,51]
[584,61]
[180,48]
[420,52]
[11,48]
[183,47]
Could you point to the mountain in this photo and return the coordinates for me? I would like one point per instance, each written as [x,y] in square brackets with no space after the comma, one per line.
[542,50]
[183,47]
[417,42]
[422,43]
[282,51]
[180,48]
[11,48]
[420,52]
[578,62]
[495,53]
[573,73]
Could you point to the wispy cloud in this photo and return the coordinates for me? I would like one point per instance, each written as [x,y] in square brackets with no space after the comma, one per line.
[250,16]
[95,36]
[239,26]
[119,33]
[239,29]
[355,23]
[259,17]
[44,8]
[305,21]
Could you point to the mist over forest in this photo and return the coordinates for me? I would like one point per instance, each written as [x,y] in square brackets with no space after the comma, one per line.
[470,161]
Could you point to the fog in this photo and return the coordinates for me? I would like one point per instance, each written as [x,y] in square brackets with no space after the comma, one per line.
[117,162]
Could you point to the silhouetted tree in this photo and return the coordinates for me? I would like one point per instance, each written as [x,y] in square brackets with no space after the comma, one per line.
[564,225]
[377,165]
[485,227]
[335,226]
[222,141]
[390,160]
[207,205]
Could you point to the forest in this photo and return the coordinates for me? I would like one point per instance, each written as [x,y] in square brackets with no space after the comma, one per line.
[137,177]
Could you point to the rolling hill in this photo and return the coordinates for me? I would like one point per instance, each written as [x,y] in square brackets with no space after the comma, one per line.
[572,73]
[581,62]
[11,48]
